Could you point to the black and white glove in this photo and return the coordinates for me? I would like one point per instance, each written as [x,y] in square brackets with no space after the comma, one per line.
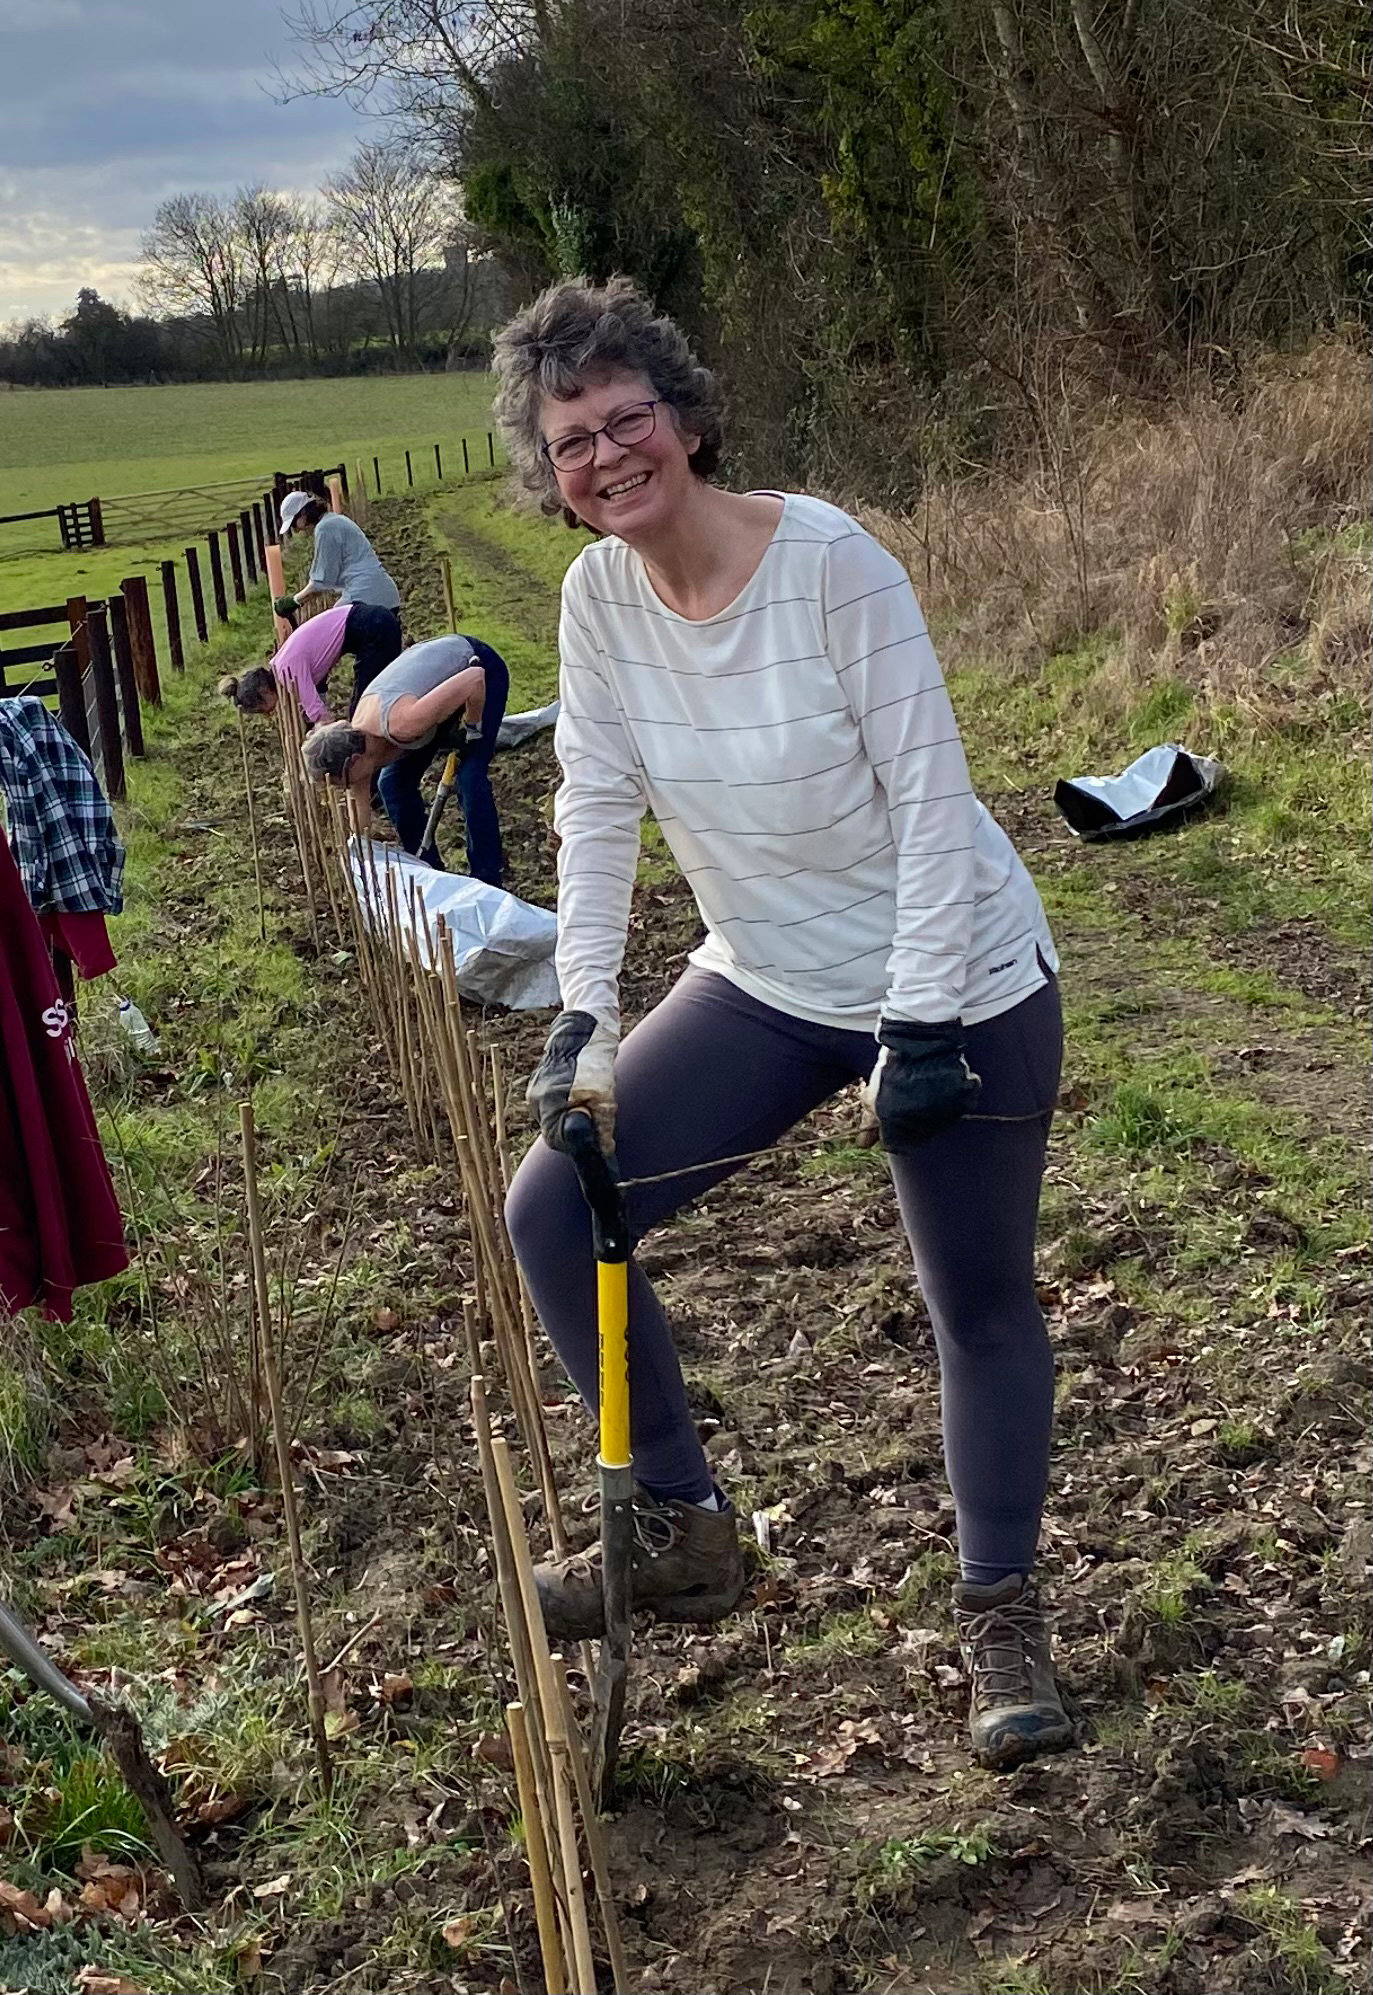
[922,1082]
[577,1071]
[470,741]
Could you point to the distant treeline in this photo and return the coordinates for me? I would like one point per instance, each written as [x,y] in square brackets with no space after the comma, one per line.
[904,226]
[376,273]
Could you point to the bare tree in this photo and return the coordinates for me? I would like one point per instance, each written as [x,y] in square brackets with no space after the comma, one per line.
[429,59]
[264,223]
[396,218]
[193,265]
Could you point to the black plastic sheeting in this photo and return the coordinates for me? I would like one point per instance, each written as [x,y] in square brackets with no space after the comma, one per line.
[1160,788]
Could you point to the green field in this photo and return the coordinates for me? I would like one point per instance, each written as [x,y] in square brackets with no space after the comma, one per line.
[65,444]
[69,443]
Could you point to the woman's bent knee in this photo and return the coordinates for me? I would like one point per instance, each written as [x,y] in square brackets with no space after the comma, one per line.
[543,1207]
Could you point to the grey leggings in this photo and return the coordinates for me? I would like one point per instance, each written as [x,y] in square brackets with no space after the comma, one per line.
[712,1072]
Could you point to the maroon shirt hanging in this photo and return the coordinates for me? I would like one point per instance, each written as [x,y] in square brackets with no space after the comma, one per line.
[60,1224]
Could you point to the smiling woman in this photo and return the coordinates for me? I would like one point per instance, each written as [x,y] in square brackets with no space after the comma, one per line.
[755,668]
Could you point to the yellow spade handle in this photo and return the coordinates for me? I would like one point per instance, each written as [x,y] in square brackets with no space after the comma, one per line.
[612,1323]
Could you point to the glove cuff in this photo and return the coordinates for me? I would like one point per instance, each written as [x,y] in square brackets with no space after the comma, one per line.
[911,1032]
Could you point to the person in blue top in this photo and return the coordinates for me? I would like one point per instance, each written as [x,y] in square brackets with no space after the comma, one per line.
[344,560]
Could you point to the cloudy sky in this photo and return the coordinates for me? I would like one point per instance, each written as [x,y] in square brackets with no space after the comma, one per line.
[108,106]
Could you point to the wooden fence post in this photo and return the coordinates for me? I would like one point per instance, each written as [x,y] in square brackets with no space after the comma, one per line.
[259,537]
[409,470]
[360,501]
[122,647]
[172,610]
[235,561]
[491,449]
[71,695]
[271,512]
[466,460]
[97,519]
[106,701]
[217,578]
[202,628]
[376,472]
[76,623]
[438,464]
[142,645]
[246,542]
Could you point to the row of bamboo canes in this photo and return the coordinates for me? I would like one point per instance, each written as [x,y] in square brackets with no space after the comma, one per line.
[455,1102]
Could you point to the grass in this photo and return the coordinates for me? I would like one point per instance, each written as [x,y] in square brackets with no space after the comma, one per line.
[69,443]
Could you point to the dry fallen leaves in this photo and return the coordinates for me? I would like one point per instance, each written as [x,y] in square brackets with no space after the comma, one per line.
[93,1980]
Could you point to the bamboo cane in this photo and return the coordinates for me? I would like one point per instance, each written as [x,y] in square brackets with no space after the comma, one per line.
[315,1696]
[595,1844]
[560,1743]
[560,1752]
[285,702]
[512,1601]
[536,1849]
[252,825]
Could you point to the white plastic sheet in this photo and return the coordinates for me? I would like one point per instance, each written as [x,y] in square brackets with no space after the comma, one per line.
[517,728]
[1159,788]
[502,947]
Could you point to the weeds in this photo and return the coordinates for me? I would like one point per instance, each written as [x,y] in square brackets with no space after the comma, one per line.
[1292,1939]
[899,1863]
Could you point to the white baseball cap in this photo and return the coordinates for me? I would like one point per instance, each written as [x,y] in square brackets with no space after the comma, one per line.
[293,505]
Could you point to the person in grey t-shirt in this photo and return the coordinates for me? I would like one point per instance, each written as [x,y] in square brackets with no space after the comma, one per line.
[344,559]
[444,696]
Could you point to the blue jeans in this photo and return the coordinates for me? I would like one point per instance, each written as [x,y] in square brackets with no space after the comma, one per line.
[373,638]
[399,781]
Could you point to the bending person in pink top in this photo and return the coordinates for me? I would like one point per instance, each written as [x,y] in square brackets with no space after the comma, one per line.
[369,634]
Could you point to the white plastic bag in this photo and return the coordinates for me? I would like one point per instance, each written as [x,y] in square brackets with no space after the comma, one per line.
[517,728]
[502,947]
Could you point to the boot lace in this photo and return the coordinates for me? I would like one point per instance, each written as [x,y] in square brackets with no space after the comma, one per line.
[997,1641]
[656,1530]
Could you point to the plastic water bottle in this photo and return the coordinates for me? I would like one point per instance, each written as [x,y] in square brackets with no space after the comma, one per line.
[138,1028]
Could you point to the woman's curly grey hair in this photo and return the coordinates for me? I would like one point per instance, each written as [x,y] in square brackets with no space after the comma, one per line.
[575,333]
[328,749]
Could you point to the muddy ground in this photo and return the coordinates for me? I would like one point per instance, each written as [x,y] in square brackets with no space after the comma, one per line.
[799,1815]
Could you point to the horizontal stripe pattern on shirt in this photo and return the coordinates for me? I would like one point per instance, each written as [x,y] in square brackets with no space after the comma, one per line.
[801,757]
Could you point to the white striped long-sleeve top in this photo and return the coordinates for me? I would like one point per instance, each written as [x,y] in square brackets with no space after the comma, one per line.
[801,756]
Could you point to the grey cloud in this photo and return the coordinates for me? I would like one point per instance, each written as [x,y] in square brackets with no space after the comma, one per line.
[108,106]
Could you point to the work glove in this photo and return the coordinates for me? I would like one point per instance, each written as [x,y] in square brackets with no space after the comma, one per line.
[922,1082]
[469,742]
[577,1071]
[285,606]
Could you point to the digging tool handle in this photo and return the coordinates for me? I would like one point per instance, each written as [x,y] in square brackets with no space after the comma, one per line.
[441,796]
[610,1239]
[19,1646]
[600,1185]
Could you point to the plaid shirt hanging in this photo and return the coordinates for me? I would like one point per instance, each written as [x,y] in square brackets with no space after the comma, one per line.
[61,828]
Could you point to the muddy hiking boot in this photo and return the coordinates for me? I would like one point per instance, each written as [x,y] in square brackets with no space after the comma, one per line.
[1004,1635]
[687,1566]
